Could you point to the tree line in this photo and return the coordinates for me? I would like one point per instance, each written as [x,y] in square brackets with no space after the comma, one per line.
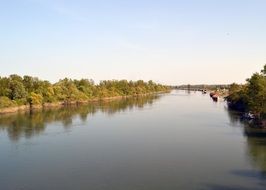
[250,97]
[27,90]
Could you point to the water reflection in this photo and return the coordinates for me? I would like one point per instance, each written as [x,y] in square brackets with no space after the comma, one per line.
[29,124]
[234,117]
[181,142]
[255,141]
[256,148]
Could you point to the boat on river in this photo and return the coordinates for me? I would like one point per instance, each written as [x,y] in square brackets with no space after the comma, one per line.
[211,94]
[215,97]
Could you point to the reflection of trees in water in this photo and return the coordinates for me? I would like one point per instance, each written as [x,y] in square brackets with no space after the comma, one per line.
[33,123]
[113,107]
[256,147]
[256,140]
[29,124]
[234,117]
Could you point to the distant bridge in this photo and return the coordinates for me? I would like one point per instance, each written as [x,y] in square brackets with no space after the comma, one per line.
[202,87]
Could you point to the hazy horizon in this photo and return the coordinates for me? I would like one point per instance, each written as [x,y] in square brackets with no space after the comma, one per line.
[170,42]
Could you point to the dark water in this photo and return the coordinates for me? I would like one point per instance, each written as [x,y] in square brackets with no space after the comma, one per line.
[173,141]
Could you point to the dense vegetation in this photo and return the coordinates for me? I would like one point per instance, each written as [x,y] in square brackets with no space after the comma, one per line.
[16,90]
[250,97]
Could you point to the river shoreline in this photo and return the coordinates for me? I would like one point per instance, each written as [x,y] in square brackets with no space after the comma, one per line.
[28,107]
[255,120]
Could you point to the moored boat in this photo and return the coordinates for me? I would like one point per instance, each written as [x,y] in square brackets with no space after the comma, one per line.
[215,97]
[211,94]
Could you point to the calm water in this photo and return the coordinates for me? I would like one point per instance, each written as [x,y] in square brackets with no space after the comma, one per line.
[174,141]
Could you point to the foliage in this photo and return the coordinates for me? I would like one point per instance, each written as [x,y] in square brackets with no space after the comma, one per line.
[6,102]
[17,90]
[251,96]
[35,99]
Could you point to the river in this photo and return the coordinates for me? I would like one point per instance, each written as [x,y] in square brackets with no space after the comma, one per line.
[181,140]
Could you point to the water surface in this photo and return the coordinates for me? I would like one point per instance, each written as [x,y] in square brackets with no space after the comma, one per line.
[179,140]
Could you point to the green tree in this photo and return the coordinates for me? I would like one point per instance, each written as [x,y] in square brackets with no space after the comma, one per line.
[4,87]
[17,90]
[256,93]
[35,99]
[251,96]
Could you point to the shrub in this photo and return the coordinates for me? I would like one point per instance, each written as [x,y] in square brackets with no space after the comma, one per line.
[35,99]
[6,102]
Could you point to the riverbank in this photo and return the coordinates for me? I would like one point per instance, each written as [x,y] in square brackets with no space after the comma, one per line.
[28,107]
[250,98]
[256,120]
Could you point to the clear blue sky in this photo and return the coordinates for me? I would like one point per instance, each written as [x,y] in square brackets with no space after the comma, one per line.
[168,41]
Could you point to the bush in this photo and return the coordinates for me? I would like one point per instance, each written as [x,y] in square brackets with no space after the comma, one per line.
[6,102]
[35,99]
